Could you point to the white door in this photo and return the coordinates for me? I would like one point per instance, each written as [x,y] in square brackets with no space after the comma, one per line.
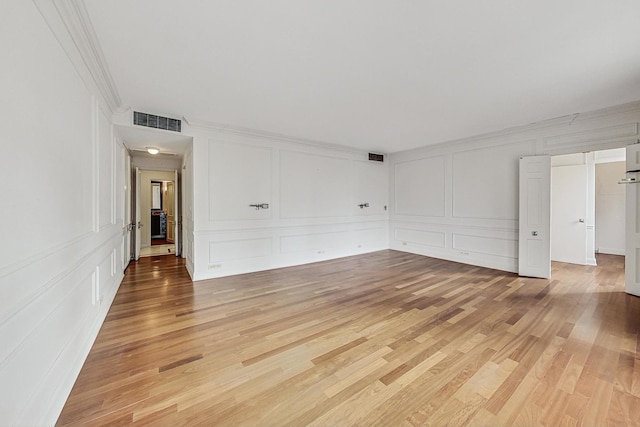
[138,223]
[632,227]
[534,243]
[126,253]
[176,211]
[569,213]
[170,210]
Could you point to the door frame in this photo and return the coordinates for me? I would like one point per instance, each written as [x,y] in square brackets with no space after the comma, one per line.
[137,208]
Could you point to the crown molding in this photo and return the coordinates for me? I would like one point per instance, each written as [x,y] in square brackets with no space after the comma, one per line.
[73,14]
[242,131]
[569,119]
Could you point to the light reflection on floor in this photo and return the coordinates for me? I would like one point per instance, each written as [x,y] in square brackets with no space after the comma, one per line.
[158,250]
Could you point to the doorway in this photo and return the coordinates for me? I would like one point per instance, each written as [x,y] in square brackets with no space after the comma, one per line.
[587,206]
[158,207]
[572,209]
[162,213]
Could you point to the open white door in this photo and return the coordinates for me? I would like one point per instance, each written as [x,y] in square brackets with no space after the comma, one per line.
[534,243]
[138,223]
[632,227]
[126,253]
[176,211]
[569,213]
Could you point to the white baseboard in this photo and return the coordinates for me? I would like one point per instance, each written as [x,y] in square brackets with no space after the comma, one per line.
[611,251]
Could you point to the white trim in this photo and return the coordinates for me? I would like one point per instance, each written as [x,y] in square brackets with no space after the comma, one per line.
[610,251]
[75,18]
[272,136]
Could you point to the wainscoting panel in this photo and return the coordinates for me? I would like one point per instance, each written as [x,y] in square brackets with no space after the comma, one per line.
[371,186]
[507,248]
[420,237]
[313,186]
[64,308]
[373,238]
[420,187]
[43,322]
[485,181]
[106,172]
[230,250]
[487,247]
[240,175]
[316,242]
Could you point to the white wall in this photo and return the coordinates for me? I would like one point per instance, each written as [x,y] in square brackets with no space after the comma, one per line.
[62,185]
[610,212]
[459,200]
[313,194]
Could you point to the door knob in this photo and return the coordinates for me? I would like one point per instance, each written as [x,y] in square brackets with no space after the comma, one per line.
[534,233]
[581,220]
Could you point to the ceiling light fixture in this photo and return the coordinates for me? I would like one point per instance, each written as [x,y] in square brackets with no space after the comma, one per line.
[152,150]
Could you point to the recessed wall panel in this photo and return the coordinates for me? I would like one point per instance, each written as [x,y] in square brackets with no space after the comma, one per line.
[47,153]
[105,170]
[420,187]
[313,186]
[312,242]
[371,186]
[487,245]
[534,216]
[371,237]
[239,176]
[485,181]
[421,237]
[534,251]
[230,250]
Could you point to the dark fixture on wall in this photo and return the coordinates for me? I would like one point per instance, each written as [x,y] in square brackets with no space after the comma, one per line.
[156,122]
[376,157]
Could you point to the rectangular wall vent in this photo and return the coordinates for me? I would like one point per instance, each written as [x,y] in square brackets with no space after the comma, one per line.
[157,122]
[376,157]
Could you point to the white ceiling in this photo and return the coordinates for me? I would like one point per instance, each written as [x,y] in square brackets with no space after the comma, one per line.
[376,75]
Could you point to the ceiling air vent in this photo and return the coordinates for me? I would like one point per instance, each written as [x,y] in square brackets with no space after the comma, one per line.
[376,157]
[157,122]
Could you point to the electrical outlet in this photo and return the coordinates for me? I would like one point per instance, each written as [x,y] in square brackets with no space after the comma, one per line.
[404,243]
[214,266]
[359,246]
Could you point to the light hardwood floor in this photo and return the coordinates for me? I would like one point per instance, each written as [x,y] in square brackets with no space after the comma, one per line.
[383,339]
